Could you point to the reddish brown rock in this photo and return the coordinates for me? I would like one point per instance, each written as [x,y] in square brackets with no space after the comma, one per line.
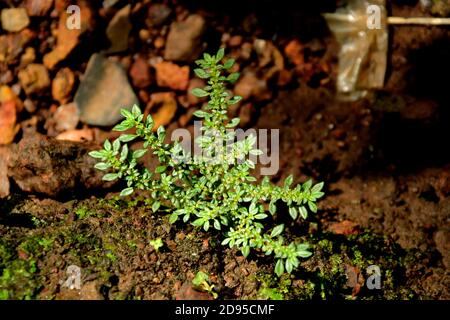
[172,76]
[38,8]
[187,292]
[68,39]
[62,85]
[184,39]
[345,227]
[162,107]
[9,107]
[44,165]
[140,73]
[34,78]
[12,45]
[4,180]
[294,51]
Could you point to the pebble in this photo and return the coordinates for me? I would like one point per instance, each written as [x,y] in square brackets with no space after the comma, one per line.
[140,73]
[34,78]
[184,39]
[118,30]
[162,107]
[38,8]
[4,180]
[12,45]
[68,39]
[62,85]
[66,117]
[14,19]
[8,115]
[28,57]
[77,135]
[172,76]
[103,92]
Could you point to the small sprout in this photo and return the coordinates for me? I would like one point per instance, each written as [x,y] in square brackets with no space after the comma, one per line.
[201,282]
[156,244]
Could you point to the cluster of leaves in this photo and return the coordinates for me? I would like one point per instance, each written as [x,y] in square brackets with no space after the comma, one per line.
[218,194]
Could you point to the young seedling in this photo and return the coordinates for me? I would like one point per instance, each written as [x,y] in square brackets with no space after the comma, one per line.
[201,282]
[156,244]
[218,194]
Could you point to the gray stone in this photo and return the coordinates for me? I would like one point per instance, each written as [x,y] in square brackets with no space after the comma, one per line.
[103,92]
[184,39]
[118,30]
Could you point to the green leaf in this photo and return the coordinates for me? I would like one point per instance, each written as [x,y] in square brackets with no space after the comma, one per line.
[303,212]
[136,111]
[307,185]
[228,64]
[116,145]
[199,92]
[232,78]
[123,126]
[279,267]
[318,187]
[97,154]
[293,213]
[261,216]
[201,73]
[200,278]
[126,113]
[173,218]
[233,123]
[312,206]
[216,224]
[220,54]
[198,222]
[253,209]
[101,166]
[149,123]
[110,177]
[200,114]
[124,153]
[156,205]
[161,132]
[245,251]
[288,181]
[234,100]
[304,254]
[289,266]
[206,225]
[226,241]
[272,208]
[107,145]
[139,153]
[127,137]
[160,169]
[277,230]
[126,192]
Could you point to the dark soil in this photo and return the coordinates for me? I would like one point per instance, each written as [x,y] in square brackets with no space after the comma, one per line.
[385,162]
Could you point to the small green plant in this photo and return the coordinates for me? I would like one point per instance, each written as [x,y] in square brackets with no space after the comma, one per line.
[201,282]
[156,244]
[220,194]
